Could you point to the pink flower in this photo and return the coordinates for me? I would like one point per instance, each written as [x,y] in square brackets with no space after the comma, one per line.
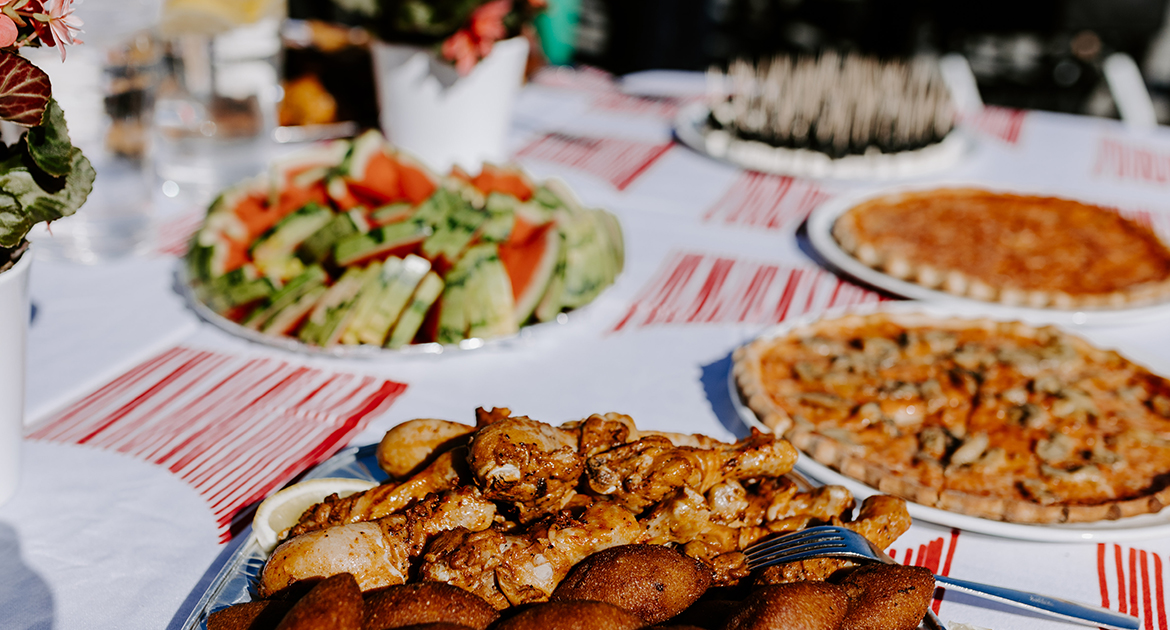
[64,24]
[460,49]
[487,23]
[8,32]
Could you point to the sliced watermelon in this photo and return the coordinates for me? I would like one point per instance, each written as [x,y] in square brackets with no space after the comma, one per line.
[489,303]
[376,172]
[508,180]
[530,266]
[415,313]
[396,239]
[290,318]
[331,314]
[306,168]
[392,213]
[551,303]
[287,296]
[418,182]
[378,313]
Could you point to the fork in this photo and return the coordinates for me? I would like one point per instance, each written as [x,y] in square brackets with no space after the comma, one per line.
[827,540]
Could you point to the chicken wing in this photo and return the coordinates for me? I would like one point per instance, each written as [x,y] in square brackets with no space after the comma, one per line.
[643,472]
[447,472]
[508,569]
[411,446]
[378,553]
[531,465]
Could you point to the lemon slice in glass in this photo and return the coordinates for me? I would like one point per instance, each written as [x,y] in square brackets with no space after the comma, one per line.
[279,512]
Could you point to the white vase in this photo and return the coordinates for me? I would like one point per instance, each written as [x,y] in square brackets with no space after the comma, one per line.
[14,315]
[426,108]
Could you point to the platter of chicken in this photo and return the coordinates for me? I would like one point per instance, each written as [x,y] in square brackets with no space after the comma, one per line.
[514,523]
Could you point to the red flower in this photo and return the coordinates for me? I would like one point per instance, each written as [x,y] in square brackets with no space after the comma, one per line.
[487,21]
[460,49]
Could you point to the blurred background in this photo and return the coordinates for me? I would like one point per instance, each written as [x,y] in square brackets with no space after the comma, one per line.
[1038,54]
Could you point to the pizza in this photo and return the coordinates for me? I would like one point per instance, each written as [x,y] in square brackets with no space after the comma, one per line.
[1041,252]
[1000,420]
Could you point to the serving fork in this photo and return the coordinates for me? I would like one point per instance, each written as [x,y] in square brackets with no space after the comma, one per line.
[839,542]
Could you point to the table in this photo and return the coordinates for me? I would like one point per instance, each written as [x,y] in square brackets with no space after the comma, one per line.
[110,529]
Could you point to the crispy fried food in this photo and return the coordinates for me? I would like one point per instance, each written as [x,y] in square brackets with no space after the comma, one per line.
[448,471]
[409,447]
[882,519]
[887,597]
[426,603]
[651,581]
[508,515]
[531,465]
[645,471]
[335,603]
[377,553]
[508,569]
[262,614]
[572,616]
[798,606]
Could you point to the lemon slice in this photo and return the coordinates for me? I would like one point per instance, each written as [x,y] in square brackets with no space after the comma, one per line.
[282,510]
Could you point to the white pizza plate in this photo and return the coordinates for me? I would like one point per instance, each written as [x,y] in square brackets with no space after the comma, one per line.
[820,234]
[691,128]
[1133,528]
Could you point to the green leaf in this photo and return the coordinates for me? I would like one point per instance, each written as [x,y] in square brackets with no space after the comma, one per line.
[33,204]
[48,143]
[14,224]
[24,90]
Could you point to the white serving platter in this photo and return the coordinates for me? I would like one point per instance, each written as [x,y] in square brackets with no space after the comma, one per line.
[820,234]
[1141,527]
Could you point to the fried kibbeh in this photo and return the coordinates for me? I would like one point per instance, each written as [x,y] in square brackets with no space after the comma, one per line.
[652,581]
[426,603]
[258,615]
[580,615]
[794,606]
[709,614]
[335,603]
[887,597]
[436,625]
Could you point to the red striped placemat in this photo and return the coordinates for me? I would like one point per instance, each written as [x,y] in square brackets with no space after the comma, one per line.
[694,288]
[935,555]
[618,162]
[771,202]
[1001,123]
[234,428]
[1125,161]
[174,233]
[1132,582]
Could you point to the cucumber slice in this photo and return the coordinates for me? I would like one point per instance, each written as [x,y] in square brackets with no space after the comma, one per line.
[274,249]
[318,247]
[379,242]
[429,290]
[399,280]
[291,316]
[313,277]
[332,312]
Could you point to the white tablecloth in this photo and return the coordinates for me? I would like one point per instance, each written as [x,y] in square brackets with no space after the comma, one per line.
[101,536]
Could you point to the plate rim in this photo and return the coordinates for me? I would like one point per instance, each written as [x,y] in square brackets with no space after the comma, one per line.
[1053,533]
[820,233]
[689,119]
